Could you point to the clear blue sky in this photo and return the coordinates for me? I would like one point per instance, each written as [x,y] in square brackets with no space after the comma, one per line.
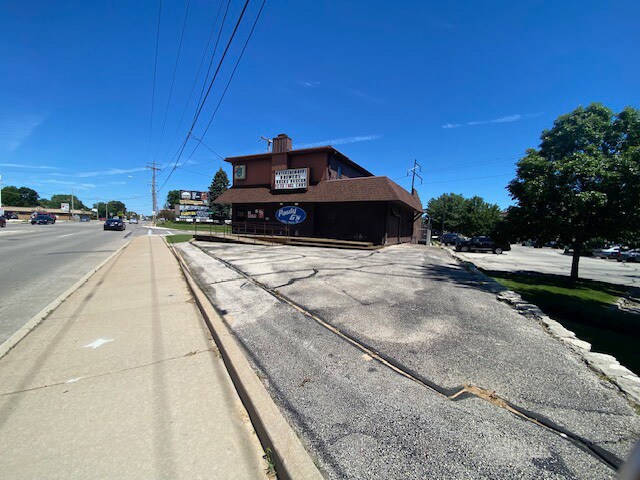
[446,83]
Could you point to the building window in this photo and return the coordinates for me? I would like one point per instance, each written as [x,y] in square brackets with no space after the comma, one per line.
[339,171]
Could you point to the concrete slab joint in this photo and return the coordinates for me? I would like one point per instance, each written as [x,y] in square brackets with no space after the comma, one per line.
[606,365]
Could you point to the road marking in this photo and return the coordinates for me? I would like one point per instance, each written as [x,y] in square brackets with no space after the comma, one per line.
[73,380]
[149,232]
[98,343]
[65,235]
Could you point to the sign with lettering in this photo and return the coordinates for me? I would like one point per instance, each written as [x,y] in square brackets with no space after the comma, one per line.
[291,215]
[292,178]
[190,197]
[239,172]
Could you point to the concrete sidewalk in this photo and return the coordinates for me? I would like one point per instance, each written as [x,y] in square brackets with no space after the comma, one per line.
[123,380]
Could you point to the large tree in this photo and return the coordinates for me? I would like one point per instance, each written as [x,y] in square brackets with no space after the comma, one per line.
[116,208]
[173,199]
[60,198]
[584,180]
[19,197]
[469,216]
[219,185]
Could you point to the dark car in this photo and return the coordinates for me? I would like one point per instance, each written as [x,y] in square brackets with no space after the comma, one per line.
[481,244]
[84,219]
[43,219]
[3,221]
[114,224]
[451,238]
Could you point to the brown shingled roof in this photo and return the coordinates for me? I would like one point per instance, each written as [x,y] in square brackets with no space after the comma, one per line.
[361,189]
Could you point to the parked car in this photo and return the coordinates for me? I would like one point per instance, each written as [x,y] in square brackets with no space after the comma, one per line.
[133,220]
[450,238]
[611,252]
[481,244]
[43,219]
[10,216]
[3,221]
[632,256]
[114,224]
[84,218]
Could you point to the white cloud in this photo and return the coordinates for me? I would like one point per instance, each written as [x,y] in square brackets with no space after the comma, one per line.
[340,141]
[14,131]
[506,119]
[75,185]
[309,84]
[19,165]
[111,171]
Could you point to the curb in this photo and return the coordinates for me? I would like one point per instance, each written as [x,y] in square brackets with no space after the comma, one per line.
[292,461]
[604,364]
[14,339]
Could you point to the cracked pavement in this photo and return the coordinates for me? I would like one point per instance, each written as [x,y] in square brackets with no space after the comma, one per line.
[417,306]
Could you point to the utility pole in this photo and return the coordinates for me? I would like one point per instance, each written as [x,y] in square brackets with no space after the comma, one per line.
[1,209]
[416,168]
[154,198]
[71,211]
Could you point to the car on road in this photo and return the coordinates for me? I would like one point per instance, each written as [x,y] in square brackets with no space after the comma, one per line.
[481,244]
[84,219]
[451,238]
[3,221]
[43,219]
[114,224]
[133,220]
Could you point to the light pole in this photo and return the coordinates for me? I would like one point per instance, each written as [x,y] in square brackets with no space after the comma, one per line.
[1,209]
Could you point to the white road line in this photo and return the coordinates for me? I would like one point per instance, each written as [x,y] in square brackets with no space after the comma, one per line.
[66,235]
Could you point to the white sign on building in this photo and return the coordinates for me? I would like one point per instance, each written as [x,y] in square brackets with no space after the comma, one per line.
[292,178]
[64,207]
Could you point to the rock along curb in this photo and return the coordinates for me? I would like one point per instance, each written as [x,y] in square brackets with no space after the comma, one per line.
[14,339]
[607,365]
[291,459]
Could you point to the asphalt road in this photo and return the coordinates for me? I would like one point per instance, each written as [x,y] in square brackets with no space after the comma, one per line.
[40,262]
[553,261]
[417,307]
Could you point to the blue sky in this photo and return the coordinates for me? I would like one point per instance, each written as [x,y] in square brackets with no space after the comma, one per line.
[463,87]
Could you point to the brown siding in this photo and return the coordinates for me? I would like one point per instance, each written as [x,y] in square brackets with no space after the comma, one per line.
[316,161]
[258,172]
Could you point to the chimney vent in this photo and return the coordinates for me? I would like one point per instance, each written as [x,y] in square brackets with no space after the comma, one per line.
[281,143]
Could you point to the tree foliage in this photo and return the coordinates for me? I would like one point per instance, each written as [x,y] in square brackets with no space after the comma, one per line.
[219,185]
[57,199]
[173,199]
[20,197]
[583,181]
[468,216]
[116,208]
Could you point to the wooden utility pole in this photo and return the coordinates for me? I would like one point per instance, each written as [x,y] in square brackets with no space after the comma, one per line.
[154,198]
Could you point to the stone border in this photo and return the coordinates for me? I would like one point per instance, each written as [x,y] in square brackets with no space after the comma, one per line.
[23,331]
[607,365]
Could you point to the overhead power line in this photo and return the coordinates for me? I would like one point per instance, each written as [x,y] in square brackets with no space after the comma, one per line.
[173,78]
[204,99]
[153,89]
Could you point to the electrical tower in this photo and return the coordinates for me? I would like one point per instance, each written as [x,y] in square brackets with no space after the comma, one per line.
[416,168]
[154,198]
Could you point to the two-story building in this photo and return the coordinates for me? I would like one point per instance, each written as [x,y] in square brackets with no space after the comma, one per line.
[320,193]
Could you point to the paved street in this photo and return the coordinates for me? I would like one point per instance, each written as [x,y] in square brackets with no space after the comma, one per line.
[423,313]
[40,262]
[548,260]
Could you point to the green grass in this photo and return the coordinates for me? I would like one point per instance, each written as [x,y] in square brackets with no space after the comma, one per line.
[182,237]
[585,307]
[204,227]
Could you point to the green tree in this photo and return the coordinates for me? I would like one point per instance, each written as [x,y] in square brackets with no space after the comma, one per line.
[19,197]
[584,180]
[173,199]
[446,212]
[479,217]
[116,208]
[59,198]
[219,185]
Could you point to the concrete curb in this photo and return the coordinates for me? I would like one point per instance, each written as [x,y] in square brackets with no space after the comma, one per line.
[291,459]
[14,339]
[607,365]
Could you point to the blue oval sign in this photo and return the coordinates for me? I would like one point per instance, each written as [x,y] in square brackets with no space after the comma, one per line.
[291,215]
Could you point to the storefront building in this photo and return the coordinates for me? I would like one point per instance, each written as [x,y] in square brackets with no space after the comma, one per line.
[319,193]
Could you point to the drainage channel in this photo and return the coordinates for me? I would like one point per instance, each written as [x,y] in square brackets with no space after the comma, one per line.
[454,394]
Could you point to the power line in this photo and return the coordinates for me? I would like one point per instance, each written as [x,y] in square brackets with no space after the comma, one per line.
[207,147]
[195,80]
[173,78]
[472,178]
[153,90]
[204,99]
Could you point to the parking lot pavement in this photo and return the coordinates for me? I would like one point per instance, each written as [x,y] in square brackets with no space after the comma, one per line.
[553,261]
[416,306]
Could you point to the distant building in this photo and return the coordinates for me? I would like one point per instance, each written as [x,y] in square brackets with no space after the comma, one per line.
[318,192]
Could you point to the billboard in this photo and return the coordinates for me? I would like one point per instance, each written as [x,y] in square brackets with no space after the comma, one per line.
[64,207]
[194,212]
[192,197]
